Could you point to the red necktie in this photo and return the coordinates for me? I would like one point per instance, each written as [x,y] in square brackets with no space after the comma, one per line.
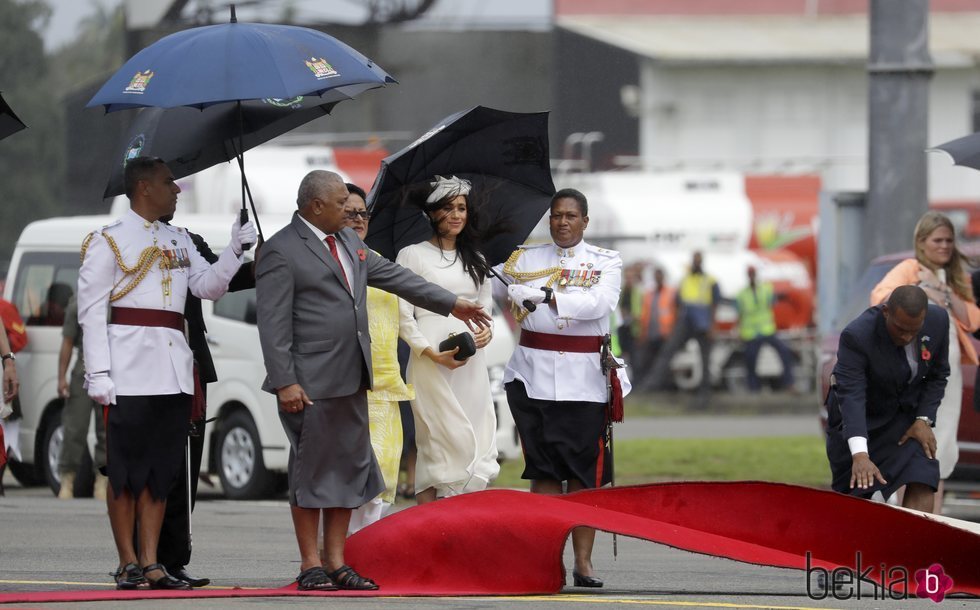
[332,244]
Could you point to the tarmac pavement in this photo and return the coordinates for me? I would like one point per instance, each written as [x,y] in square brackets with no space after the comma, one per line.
[51,544]
[47,544]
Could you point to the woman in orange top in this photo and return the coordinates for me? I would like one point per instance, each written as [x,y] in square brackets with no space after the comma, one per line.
[939,268]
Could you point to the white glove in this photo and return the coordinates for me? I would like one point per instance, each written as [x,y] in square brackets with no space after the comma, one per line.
[519,293]
[241,234]
[100,388]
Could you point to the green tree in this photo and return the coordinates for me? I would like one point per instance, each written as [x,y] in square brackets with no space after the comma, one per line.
[31,161]
[40,88]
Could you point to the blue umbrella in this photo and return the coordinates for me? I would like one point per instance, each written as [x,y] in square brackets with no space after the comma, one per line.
[235,62]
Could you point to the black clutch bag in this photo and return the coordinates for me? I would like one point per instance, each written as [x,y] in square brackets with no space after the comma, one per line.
[464,341]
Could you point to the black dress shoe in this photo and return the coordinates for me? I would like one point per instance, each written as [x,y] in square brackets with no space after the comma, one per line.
[586,581]
[181,574]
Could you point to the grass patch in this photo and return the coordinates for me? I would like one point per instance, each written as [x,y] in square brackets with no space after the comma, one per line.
[681,404]
[801,460]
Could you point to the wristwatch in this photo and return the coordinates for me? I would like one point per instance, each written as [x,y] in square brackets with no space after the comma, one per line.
[926,419]
[548,295]
[7,357]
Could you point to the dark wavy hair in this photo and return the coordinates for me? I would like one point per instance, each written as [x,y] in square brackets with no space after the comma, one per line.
[469,241]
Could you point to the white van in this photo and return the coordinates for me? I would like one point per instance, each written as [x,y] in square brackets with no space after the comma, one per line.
[245,445]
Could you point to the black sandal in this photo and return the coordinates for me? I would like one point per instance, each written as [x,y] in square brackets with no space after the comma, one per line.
[128,577]
[164,582]
[315,579]
[346,578]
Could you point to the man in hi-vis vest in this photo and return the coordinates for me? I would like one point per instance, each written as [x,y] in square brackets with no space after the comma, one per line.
[756,326]
[697,300]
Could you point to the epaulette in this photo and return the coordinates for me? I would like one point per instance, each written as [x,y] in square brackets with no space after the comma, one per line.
[114,223]
[173,229]
[602,251]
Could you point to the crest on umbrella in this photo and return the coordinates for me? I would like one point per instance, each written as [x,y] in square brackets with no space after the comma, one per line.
[139,82]
[321,69]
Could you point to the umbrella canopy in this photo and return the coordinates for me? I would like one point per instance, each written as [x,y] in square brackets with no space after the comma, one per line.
[236,61]
[9,123]
[965,151]
[191,140]
[505,156]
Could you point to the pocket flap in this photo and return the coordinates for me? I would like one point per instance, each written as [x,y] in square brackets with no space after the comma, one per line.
[312,347]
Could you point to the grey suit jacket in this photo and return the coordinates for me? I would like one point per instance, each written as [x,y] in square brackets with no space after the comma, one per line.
[313,330]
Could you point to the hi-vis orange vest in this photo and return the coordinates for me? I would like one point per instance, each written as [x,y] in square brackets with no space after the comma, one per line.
[666,312]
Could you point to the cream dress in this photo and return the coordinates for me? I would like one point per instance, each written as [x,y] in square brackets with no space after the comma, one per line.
[455,424]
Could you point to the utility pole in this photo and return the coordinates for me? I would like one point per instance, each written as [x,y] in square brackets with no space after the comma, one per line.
[899,69]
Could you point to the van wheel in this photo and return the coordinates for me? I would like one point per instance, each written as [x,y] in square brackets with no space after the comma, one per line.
[50,453]
[239,459]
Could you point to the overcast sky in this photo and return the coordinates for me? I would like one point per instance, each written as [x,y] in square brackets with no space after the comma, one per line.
[446,13]
[65,17]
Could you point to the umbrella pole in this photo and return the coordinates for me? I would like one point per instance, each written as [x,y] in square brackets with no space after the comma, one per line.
[491,271]
[528,305]
[243,215]
[251,203]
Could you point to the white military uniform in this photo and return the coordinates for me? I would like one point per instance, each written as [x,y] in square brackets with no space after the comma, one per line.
[144,360]
[586,281]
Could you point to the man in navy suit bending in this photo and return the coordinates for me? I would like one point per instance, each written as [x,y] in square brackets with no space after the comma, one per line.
[889,378]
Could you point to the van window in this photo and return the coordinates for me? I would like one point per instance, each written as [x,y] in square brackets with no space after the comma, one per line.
[238,306]
[45,282]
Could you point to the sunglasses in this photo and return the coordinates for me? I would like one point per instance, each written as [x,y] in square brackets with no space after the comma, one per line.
[362,214]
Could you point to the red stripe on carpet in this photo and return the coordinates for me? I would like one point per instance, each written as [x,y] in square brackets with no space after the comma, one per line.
[502,542]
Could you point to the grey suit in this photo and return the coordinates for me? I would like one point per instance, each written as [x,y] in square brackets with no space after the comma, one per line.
[314,332]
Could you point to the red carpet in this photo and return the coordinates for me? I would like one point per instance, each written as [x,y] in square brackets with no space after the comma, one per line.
[509,542]
[501,542]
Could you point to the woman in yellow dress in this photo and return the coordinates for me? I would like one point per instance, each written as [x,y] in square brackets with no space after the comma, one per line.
[383,416]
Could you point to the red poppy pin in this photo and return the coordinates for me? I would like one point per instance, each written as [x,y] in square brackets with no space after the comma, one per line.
[924,351]
[361,254]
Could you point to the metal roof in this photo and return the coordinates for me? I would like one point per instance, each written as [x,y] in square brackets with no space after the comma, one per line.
[767,39]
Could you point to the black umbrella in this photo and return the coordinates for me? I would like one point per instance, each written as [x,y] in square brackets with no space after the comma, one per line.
[192,140]
[9,123]
[965,151]
[504,155]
